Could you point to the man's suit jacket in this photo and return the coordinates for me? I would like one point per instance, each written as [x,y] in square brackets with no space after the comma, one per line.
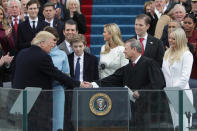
[90,67]
[145,75]
[62,46]
[34,68]
[59,26]
[13,31]
[26,33]
[154,49]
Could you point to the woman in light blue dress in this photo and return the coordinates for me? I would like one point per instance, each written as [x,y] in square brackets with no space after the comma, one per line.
[60,61]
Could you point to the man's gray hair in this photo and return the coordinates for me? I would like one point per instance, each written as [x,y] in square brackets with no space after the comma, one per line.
[135,44]
[19,3]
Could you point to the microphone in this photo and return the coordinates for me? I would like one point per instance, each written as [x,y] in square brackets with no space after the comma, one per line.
[102,66]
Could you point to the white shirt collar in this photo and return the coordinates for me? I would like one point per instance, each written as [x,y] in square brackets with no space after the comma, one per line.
[51,22]
[30,20]
[13,18]
[68,46]
[137,59]
[16,17]
[76,57]
[145,37]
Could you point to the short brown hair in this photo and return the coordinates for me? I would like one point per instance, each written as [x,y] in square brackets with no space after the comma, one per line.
[78,38]
[146,18]
[49,4]
[31,2]
[52,31]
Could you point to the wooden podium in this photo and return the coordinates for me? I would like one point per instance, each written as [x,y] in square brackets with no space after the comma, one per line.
[101,109]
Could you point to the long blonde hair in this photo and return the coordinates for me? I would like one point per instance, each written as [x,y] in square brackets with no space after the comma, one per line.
[114,30]
[174,54]
[68,2]
[4,21]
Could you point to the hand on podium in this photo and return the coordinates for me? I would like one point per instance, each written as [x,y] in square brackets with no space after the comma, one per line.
[85,84]
[136,94]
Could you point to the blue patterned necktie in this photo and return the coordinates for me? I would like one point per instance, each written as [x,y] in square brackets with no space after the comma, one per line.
[77,69]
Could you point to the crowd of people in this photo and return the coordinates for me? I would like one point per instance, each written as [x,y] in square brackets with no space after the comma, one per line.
[42,44]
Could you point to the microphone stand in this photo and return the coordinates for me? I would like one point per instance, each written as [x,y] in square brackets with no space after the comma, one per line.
[188,115]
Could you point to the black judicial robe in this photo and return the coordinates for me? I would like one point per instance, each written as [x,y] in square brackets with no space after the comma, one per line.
[145,75]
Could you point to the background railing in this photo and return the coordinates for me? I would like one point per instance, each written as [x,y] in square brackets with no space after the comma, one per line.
[90,109]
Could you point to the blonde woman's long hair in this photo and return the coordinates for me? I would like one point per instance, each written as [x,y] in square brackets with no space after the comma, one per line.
[68,2]
[114,30]
[174,54]
[4,21]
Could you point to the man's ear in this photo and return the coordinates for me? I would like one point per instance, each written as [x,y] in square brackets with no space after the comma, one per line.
[148,26]
[64,32]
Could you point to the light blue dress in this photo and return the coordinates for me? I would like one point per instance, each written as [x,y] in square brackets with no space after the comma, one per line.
[60,60]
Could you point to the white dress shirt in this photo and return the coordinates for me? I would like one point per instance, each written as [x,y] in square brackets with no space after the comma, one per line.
[50,22]
[144,41]
[13,20]
[81,61]
[135,62]
[68,47]
[31,22]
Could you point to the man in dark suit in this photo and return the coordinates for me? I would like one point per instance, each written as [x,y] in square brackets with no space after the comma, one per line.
[141,74]
[151,46]
[49,15]
[87,72]
[15,8]
[28,29]
[70,29]
[34,68]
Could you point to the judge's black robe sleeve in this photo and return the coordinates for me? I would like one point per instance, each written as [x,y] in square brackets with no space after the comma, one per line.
[156,79]
[114,80]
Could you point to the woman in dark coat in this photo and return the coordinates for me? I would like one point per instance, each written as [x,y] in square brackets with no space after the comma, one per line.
[72,11]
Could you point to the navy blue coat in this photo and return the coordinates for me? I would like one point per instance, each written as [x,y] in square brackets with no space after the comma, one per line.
[34,68]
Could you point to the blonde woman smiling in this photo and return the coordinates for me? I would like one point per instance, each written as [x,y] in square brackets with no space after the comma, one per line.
[112,56]
[177,66]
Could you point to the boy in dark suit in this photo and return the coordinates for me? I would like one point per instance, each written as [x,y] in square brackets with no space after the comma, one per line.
[83,66]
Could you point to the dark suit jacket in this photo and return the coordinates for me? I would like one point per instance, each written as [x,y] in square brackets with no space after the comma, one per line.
[13,31]
[154,49]
[26,34]
[146,75]
[90,67]
[79,18]
[59,26]
[34,68]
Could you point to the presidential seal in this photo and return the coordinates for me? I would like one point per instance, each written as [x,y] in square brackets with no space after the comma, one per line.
[100,104]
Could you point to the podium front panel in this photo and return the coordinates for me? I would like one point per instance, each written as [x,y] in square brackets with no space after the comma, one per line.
[101,107]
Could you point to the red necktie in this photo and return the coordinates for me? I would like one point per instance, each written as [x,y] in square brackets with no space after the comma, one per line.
[15,26]
[133,64]
[141,41]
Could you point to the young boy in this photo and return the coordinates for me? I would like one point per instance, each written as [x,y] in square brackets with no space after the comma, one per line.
[83,66]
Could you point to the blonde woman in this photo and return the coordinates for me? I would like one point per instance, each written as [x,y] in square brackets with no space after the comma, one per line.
[177,65]
[112,56]
[6,37]
[73,11]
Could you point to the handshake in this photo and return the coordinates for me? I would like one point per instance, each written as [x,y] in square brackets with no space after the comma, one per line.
[85,84]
